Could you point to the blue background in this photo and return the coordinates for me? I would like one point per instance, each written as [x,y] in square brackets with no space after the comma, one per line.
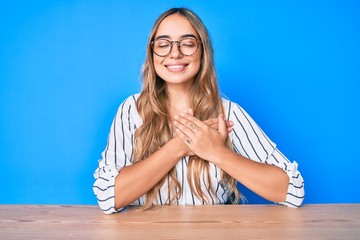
[65,66]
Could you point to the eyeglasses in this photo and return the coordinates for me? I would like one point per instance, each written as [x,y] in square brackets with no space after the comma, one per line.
[187,46]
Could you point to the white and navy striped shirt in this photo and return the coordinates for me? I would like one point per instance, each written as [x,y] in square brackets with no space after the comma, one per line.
[246,137]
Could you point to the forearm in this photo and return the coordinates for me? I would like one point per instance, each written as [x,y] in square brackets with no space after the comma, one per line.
[135,180]
[266,180]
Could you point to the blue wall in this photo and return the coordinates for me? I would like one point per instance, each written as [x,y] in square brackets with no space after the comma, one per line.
[65,66]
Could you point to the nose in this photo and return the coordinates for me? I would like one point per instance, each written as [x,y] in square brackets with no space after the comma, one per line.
[175,50]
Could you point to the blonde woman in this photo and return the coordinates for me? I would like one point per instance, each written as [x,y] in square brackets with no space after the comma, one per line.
[178,142]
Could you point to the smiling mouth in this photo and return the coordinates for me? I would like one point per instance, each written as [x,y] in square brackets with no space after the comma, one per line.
[176,66]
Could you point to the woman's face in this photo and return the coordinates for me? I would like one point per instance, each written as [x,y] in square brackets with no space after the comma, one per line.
[177,68]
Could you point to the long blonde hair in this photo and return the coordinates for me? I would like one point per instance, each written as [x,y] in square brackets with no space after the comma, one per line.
[152,106]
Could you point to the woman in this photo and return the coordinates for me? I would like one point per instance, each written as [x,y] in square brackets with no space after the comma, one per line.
[178,142]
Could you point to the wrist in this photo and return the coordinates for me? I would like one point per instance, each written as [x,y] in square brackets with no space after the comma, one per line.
[176,147]
[219,154]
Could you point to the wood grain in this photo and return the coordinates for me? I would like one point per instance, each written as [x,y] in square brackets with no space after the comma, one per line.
[181,222]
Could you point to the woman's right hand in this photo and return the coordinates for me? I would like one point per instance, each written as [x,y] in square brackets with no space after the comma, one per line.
[214,122]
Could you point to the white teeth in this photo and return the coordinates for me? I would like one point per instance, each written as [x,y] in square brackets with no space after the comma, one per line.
[176,66]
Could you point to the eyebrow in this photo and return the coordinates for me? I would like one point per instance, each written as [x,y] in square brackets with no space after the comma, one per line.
[182,36]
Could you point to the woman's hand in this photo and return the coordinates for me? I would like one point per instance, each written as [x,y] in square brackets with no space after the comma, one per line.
[214,122]
[200,137]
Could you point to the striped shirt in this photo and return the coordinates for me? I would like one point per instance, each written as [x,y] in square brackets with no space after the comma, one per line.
[246,137]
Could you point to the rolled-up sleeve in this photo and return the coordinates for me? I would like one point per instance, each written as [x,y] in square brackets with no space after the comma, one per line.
[117,154]
[104,187]
[296,192]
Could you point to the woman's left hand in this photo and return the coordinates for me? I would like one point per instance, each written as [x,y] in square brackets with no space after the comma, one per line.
[201,139]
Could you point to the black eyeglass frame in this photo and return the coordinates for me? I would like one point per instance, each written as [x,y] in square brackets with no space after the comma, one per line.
[198,43]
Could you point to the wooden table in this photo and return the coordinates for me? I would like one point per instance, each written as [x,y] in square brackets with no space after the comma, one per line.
[181,222]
